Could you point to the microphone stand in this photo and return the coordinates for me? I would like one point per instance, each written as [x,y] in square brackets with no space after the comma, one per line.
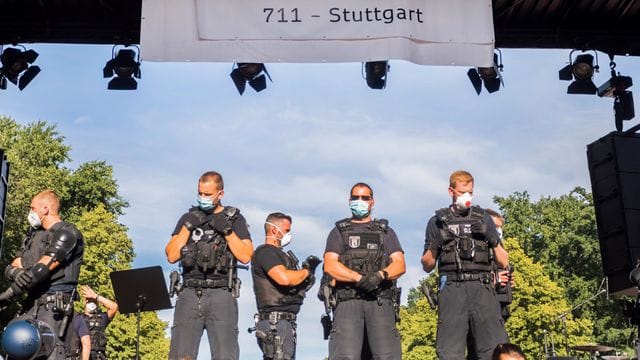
[601,290]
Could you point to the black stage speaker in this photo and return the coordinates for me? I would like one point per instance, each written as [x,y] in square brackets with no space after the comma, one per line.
[614,167]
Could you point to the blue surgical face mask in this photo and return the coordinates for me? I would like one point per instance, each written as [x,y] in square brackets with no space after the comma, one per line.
[359,208]
[205,203]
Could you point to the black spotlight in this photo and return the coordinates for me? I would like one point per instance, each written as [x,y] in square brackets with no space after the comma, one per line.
[490,76]
[16,67]
[581,71]
[376,74]
[251,73]
[126,66]
[616,87]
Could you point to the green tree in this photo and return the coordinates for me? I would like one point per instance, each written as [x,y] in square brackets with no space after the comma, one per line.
[537,305]
[561,234]
[90,199]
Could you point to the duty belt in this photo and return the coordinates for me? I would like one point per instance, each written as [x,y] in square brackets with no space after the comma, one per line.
[276,316]
[53,297]
[484,277]
[344,294]
[206,283]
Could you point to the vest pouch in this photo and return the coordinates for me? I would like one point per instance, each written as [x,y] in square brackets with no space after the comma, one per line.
[345,260]
[204,256]
[482,254]
[222,261]
[448,255]
[466,248]
[188,256]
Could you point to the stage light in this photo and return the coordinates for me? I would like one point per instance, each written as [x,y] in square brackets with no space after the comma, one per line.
[16,67]
[126,66]
[252,73]
[376,74]
[616,87]
[581,71]
[490,76]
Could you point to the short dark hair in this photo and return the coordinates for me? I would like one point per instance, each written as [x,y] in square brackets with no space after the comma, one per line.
[495,214]
[212,176]
[509,349]
[361,184]
[273,217]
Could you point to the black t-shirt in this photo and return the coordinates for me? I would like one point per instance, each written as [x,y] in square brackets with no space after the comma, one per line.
[264,259]
[79,326]
[336,244]
[239,226]
[432,231]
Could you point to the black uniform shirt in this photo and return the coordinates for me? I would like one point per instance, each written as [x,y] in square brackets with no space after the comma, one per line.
[336,244]
[265,258]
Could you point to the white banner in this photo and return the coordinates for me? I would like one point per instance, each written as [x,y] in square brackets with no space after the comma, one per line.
[430,32]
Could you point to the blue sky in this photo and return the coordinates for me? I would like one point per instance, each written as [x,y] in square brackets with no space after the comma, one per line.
[299,145]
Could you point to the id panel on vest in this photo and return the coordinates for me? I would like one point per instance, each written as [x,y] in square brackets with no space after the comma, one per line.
[363,249]
[206,254]
[463,250]
[271,296]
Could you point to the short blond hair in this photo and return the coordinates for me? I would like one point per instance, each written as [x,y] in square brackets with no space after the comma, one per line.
[459,176]
[51,199]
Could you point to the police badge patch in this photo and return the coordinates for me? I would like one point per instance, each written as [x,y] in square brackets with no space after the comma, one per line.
[354,241]
[454,229]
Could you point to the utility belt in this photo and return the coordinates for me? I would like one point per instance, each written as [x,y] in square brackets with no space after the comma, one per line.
[206,283]
[485,278]
[275,316]
[57,298]
[347,293]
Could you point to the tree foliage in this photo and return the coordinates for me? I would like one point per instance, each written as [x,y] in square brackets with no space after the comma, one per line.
[90,199]
[561,235]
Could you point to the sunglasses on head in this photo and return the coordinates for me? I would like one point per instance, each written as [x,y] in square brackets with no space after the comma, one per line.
[361,197]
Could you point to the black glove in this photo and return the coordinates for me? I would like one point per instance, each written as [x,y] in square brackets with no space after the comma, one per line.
[24,280]
[369,282]
[11,272]
[224,225]
[193,219]
[492,237]
[311,263]
[479,228]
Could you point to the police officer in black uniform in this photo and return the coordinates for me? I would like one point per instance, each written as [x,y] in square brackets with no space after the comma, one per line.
[365,258]
[47,268]
[280,286]
[463,241]
[97,321]
[208,240]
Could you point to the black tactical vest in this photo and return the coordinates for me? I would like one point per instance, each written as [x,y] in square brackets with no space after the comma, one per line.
[462,250]
[206,254]
[269,294]
[97,327]
[65,276]
[363,250]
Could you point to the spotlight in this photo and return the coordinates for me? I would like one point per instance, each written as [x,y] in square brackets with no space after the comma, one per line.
[581,71]
[616,87]
[126,66]
[490,76]
[16,68]
[251,73]
[376,74]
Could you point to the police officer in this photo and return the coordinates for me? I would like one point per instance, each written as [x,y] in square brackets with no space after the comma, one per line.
[79,340]
[208,241]
[47,268]
[463,240]
[365,258]
[280,287]
[96,321]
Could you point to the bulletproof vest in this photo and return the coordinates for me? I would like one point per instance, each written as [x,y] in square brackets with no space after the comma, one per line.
[462,250]
[206,254]
[270,294]
[96,324]
[68,271]
[363,249]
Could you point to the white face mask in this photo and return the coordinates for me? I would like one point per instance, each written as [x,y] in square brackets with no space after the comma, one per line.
[499,230]
[91,307]
[34,220]
[464,201]
[286,238]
